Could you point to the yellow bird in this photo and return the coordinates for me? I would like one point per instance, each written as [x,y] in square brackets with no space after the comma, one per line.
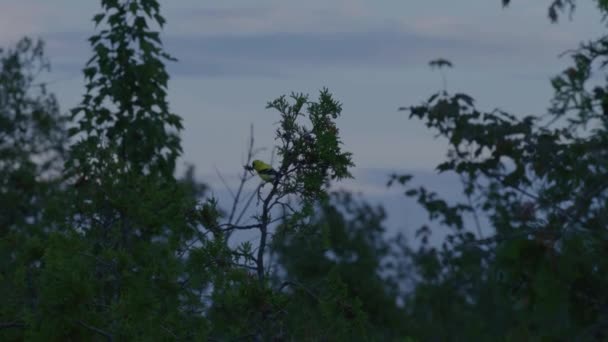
[265,171]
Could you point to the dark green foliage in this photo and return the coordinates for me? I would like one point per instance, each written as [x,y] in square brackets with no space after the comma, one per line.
[545,193]
[541,206]
[342,274]
[31,151]
[113,262]
[31,135]
[128,219]
[119,249]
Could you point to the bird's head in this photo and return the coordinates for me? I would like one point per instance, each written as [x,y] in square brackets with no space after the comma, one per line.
[256,164]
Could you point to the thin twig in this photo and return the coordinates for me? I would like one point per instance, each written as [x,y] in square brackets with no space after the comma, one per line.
[282,204]
[104,333]
[187,248]
[228,227]
[219,174]
[6,325]
[244,177]
[253,268]
[264,221]
[473,209]
[246,256]
[169,331]
[247,204]
[495,238]
[298,285]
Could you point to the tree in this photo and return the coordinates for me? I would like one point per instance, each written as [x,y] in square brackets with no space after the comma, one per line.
[311,156]
[32,138]
[126,252]
[541,182]
[113,261]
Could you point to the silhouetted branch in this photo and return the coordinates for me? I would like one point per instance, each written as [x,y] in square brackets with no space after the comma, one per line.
[104,333]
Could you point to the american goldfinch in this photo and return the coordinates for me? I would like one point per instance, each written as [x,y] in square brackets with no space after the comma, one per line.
[265,171]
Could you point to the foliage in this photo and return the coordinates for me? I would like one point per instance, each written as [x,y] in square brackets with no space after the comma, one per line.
[342,262]
[542,187]
[100,241]
[32,138]
[311,156]
[113,262]
[125,110]
[31,135]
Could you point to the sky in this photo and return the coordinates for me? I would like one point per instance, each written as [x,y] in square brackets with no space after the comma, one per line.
[235,56]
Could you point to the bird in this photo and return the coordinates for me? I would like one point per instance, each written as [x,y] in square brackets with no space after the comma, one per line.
[265,171]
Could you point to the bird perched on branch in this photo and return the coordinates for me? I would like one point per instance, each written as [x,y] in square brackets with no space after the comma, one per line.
[265,171]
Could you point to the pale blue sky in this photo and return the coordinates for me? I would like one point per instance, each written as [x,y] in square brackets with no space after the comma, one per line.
[237,55]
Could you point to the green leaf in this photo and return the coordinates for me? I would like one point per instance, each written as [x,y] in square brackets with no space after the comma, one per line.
[98,18]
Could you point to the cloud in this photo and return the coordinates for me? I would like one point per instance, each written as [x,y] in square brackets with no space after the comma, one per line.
[39,18]
[17,20]
[326,16]
[276,40]
[68,51]
[280,41]
[285,52]
[483,29]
